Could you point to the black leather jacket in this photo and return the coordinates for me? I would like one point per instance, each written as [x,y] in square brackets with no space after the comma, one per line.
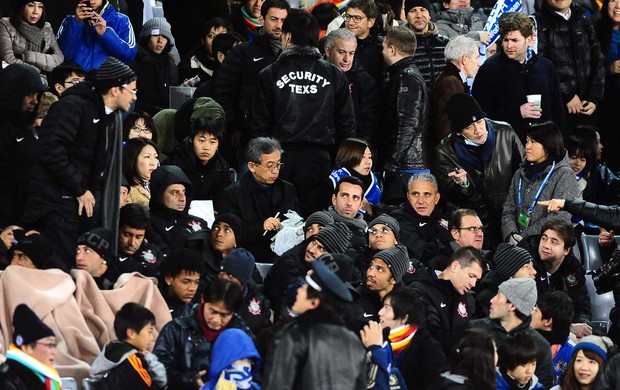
[605,216]
[405,96]
[487,189]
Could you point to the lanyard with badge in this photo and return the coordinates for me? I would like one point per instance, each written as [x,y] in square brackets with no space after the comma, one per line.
[524,219]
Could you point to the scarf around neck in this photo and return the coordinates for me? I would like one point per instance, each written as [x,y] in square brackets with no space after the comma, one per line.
[250,22]
[33,35]
[484,152]
[401,337]
[531,171]
[47,374]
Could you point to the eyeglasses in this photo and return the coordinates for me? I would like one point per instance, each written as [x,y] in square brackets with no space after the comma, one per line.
[383,230]
[73,81]
[48,345]
[272,167]
[473,229]
[134,91]
[356,18]
[139,129]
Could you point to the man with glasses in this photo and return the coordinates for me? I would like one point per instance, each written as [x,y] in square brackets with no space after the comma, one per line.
[30,357]
[260,198]
[65,76]
[360,18]
[75,181]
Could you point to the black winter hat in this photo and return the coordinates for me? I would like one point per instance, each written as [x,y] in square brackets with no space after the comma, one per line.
[397,260]
[100,240]
[113,73]
[417,3]
[233,221]
[509,258]
[27,327]
[463,110]
[335,237]
[325,279]
[322,218]
[37,248]
[388,221]
[340,264]
[240,264]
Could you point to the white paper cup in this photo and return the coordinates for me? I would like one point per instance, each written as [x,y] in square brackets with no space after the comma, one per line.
[534,99]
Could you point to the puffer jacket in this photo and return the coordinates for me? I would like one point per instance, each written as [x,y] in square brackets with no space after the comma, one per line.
[302,99]
[487,189]
[13,48]
[429,54]
[561,185]
[81,44]
[462,21]
[183,349]
[406,97]
[316,351]
[575,51]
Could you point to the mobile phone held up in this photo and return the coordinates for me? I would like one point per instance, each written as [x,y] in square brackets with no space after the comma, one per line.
[86,7]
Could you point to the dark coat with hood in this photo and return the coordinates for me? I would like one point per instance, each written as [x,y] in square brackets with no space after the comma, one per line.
[544,368]
[574,49]
[405,97]
[289,268]
[366,103]
[17,140]
[488,187]
[316,351]
[422,361]
[183,349]
[156,74]
[209,180]
[301,99]
[169,228]
[254,202]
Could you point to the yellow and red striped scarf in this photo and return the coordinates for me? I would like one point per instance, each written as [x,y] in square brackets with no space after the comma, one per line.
[401,337]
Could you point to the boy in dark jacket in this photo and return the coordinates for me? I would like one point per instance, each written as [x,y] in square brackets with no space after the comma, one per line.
[126,363]
[517,362]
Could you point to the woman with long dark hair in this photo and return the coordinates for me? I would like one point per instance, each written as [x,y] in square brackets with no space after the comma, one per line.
[26,38]
[589,355]
[139,162]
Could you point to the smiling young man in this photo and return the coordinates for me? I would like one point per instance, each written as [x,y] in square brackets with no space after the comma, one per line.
[500,87]
[360,18]
[184,344]
[559,270]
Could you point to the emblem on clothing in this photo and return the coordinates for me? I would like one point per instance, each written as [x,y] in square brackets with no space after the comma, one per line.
[462,310]
[254,307]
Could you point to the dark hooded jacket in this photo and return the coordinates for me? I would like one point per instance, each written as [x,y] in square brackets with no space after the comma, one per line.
[156,74]
[170,228]
[575,51]
[17,140]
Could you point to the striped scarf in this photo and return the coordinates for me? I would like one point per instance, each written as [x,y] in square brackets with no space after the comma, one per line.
[251,23]
[401,337]
[47,374]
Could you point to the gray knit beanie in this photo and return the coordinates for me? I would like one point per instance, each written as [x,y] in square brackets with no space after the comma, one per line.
[521,292]
[335,238]
[397,260]
[157,26]
[597,344]
[322,218]
[509,259]
[388,221]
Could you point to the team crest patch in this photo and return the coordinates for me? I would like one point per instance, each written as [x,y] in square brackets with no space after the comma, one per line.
[195,225]
[411,270]
[149,257]
[571,280]
[443,223]
[254,307]
[560,366]
[462,310]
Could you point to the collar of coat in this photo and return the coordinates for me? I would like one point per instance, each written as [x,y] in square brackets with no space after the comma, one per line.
[300,51]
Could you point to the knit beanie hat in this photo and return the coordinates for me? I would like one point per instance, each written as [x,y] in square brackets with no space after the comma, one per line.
[521,292]
[340,264]
[509,259]
[417,3]
[463,110]
[233,221]
[20,3]
[99,240]
[387,221]
[597,344]
[27,327]
[397,260]
[335,237]
[322,218]
[37,248]
[113,73]
[240,264]
[157,26]
[324,279]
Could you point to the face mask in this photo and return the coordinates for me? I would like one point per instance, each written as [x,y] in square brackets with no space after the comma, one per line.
[471,142]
